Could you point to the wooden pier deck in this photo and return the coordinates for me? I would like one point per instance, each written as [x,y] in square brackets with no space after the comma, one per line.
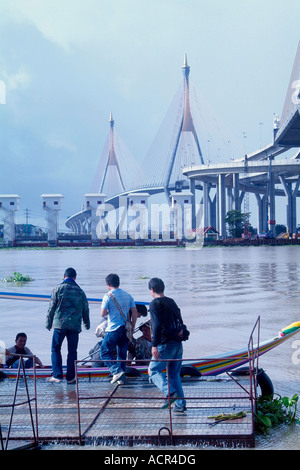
[100,413]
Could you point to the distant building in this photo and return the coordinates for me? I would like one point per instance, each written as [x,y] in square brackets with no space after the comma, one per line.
[28,230]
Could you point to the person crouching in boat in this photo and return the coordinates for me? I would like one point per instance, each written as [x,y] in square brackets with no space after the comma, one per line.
[21,348]
[140,349]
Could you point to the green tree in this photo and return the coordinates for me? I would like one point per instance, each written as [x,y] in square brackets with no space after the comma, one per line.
[236,222]
[280,228]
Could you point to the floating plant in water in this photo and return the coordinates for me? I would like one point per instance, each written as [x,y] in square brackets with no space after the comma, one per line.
[18,277]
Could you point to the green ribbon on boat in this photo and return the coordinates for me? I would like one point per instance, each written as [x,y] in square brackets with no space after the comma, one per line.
[290,330]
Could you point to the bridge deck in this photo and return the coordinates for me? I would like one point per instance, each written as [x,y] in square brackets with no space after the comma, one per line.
[130,414]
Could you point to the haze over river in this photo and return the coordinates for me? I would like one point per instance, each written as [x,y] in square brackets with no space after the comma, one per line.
[221,291]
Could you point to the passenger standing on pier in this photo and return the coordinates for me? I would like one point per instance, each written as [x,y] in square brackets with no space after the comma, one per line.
[115,338]
[67,310]
[163,311]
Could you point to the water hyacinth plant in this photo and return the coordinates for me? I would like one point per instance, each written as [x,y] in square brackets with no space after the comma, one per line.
[274,411]
[18,277]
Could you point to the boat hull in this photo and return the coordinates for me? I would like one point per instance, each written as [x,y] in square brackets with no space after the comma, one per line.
[206,367]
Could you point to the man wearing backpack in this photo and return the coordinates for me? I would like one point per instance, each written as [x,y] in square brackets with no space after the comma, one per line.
[165,316]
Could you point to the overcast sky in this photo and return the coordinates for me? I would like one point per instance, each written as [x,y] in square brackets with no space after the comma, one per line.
[66,64]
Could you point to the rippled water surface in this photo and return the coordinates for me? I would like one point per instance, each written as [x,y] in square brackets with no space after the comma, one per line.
[221,292]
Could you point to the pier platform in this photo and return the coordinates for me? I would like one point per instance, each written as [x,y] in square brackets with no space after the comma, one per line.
[93,411]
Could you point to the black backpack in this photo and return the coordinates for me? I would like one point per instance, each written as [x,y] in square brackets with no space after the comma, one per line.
[178,330]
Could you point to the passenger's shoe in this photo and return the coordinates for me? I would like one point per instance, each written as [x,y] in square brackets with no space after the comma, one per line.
[53,380]
[73,381]
[180,409]
[117,377]
[173,397]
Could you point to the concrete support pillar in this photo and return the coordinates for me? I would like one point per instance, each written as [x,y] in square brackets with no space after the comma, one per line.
[240,200]
[271,197]
[291,216]
[295,192]
[182,205]
[206,205]
[221,206]
[9,203]
[193,202]
[229,198]
[291,213]
[261,213]
[138,216]
[213,213]
[236,192]
[52,203]
[92,202]
[78,227]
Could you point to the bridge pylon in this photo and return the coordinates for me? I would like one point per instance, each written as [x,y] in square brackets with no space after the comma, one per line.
[108,178]
[186,138]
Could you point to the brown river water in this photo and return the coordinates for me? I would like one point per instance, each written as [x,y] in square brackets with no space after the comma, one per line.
[221,292]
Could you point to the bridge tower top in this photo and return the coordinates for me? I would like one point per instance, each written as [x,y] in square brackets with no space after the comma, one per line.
[188,124]
[111,180]
[185,67]
[187,138]
[112,159]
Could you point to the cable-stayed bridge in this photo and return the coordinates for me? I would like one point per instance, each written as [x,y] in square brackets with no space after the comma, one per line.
[194,152]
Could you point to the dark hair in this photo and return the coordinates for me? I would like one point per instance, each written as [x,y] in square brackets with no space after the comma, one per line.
[112,280]
[22,335]
[147,325]
[142,309]
[70,272]
[157,285]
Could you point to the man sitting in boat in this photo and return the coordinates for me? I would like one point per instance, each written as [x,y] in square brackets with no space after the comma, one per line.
[141,347]
[94,354]
[21,348]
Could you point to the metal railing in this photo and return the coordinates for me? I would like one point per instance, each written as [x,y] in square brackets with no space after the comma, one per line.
[249,394]
[34,422]
[252,362]
[253,355]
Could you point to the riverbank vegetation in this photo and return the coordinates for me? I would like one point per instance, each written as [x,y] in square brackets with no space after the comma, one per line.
[272,411]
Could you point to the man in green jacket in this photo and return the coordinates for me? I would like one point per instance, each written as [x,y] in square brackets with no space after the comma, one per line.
[67,310]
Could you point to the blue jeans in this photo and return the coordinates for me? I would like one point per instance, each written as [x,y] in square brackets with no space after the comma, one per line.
[28,363]
[170,350]
[115,346]
[72,341]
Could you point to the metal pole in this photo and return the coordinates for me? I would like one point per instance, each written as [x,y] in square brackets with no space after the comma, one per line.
[13,405]
[28,397]
[169,398]
[35,401]
[78,406]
